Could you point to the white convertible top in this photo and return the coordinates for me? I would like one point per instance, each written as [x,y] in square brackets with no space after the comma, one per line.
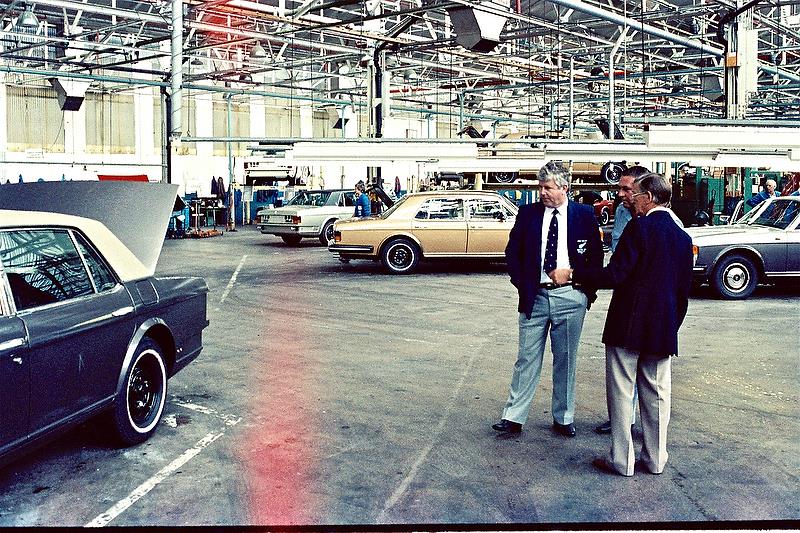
[118,256]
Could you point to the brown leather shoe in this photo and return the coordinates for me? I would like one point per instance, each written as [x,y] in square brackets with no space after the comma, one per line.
[507,426]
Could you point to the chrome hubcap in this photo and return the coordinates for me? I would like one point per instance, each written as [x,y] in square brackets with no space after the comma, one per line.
[736,277]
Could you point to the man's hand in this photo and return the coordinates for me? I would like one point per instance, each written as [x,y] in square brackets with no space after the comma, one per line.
[561,276]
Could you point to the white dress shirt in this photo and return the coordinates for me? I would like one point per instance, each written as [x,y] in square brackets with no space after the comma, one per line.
[562,251]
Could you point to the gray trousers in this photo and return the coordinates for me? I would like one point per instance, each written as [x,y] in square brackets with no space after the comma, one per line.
[559,312]
[627,370]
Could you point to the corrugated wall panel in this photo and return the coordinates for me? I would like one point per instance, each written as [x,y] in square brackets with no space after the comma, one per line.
[35,120]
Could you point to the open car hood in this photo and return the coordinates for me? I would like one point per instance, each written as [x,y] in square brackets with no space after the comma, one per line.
[136,213]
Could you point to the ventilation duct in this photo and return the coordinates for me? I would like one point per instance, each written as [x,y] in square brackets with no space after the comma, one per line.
[70,92]
[476,30]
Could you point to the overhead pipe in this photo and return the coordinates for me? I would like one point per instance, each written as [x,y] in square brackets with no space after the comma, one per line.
[588,9]
[611,111]
[176,69]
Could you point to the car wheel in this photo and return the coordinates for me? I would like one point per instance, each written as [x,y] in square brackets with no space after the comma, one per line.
[326,235]
[400,256]
[605,216]
[612,172]
[139,405]
[291,240]
[735,277]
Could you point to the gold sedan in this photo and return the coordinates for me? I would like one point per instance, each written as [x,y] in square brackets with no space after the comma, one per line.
[428,225]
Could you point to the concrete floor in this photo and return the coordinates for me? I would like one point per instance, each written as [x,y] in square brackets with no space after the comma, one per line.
[337,394]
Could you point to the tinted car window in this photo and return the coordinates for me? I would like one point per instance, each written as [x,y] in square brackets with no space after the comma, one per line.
[43,267]
[103,278]
[442,209]
[348,199]
[778,214]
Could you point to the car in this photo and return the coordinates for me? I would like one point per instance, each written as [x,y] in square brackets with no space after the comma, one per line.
[761,247]
[86,329]
[434,224]
[307,214]
[603,208]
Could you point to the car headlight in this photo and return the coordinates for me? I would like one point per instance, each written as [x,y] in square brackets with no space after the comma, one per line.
[296,220]
[695,253]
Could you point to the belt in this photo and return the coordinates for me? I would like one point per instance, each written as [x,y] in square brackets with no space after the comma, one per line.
[550,286]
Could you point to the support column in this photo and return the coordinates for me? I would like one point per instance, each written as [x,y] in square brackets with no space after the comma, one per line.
[3,127]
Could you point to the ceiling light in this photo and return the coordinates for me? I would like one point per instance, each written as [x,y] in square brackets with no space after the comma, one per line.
[28,19]
[258,51]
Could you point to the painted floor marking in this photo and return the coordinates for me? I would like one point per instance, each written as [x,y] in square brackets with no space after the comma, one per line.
[232,281]
[140,491]
[412,473]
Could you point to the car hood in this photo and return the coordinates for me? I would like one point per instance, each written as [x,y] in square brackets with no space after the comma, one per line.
[136,213]
[734,234]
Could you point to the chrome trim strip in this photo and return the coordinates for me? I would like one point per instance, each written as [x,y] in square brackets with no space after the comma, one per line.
[362,249]
[11,344]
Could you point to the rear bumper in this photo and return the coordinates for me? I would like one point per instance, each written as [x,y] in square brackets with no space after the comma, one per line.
[289,229]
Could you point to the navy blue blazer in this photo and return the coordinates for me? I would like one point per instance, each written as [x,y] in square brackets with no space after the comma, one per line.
[651,273]
[524,249]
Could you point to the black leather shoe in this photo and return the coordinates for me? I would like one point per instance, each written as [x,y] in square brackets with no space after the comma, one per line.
[507,426]
[603,428]
[568,430]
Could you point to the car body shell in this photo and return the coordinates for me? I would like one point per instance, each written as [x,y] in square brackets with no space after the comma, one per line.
[774,250]
[63,361]
[306,220]
[469,235]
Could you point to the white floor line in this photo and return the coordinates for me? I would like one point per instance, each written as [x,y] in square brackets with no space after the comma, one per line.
[412,473]
[151,483]
[232,281]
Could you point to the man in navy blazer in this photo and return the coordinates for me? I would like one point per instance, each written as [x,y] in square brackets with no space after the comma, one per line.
[650,272]
[553,232]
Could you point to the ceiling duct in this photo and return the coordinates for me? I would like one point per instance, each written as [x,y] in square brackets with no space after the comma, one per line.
[70,92]
[476,30]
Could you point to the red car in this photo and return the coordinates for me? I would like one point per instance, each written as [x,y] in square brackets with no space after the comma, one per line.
[603,209]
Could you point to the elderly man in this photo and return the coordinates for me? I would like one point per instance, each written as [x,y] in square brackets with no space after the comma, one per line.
[552,233]
[768,192]
[650,272]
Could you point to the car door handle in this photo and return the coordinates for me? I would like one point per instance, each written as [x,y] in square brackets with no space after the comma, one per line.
[122,311]
[17,360]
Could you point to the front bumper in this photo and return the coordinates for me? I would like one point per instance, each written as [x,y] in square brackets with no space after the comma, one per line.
[289,229]
[337,248]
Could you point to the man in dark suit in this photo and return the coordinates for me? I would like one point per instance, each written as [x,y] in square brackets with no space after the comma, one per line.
[551,233]
[650,272]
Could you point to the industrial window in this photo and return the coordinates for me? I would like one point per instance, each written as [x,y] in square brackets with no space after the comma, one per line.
[110,123]
[42,267]
[158,127]
[189,119]
[35,120]
[240,126]
[281,119]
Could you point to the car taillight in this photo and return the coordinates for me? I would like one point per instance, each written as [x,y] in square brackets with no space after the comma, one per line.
[337,236]
[602,235]
[296,220]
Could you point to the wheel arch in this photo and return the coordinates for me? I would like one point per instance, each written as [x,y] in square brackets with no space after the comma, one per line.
[157,330]
[746,251]
[403,235]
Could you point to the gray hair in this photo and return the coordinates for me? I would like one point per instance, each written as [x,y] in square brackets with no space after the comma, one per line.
[657,186]
[556,172]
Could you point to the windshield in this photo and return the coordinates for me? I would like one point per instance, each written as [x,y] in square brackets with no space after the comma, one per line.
[315,198]
[775,214]
[388,212]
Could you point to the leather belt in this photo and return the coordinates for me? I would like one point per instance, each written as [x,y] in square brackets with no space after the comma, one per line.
[550,286]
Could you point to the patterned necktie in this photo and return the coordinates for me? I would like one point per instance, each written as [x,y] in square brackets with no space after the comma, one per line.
[551,250]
